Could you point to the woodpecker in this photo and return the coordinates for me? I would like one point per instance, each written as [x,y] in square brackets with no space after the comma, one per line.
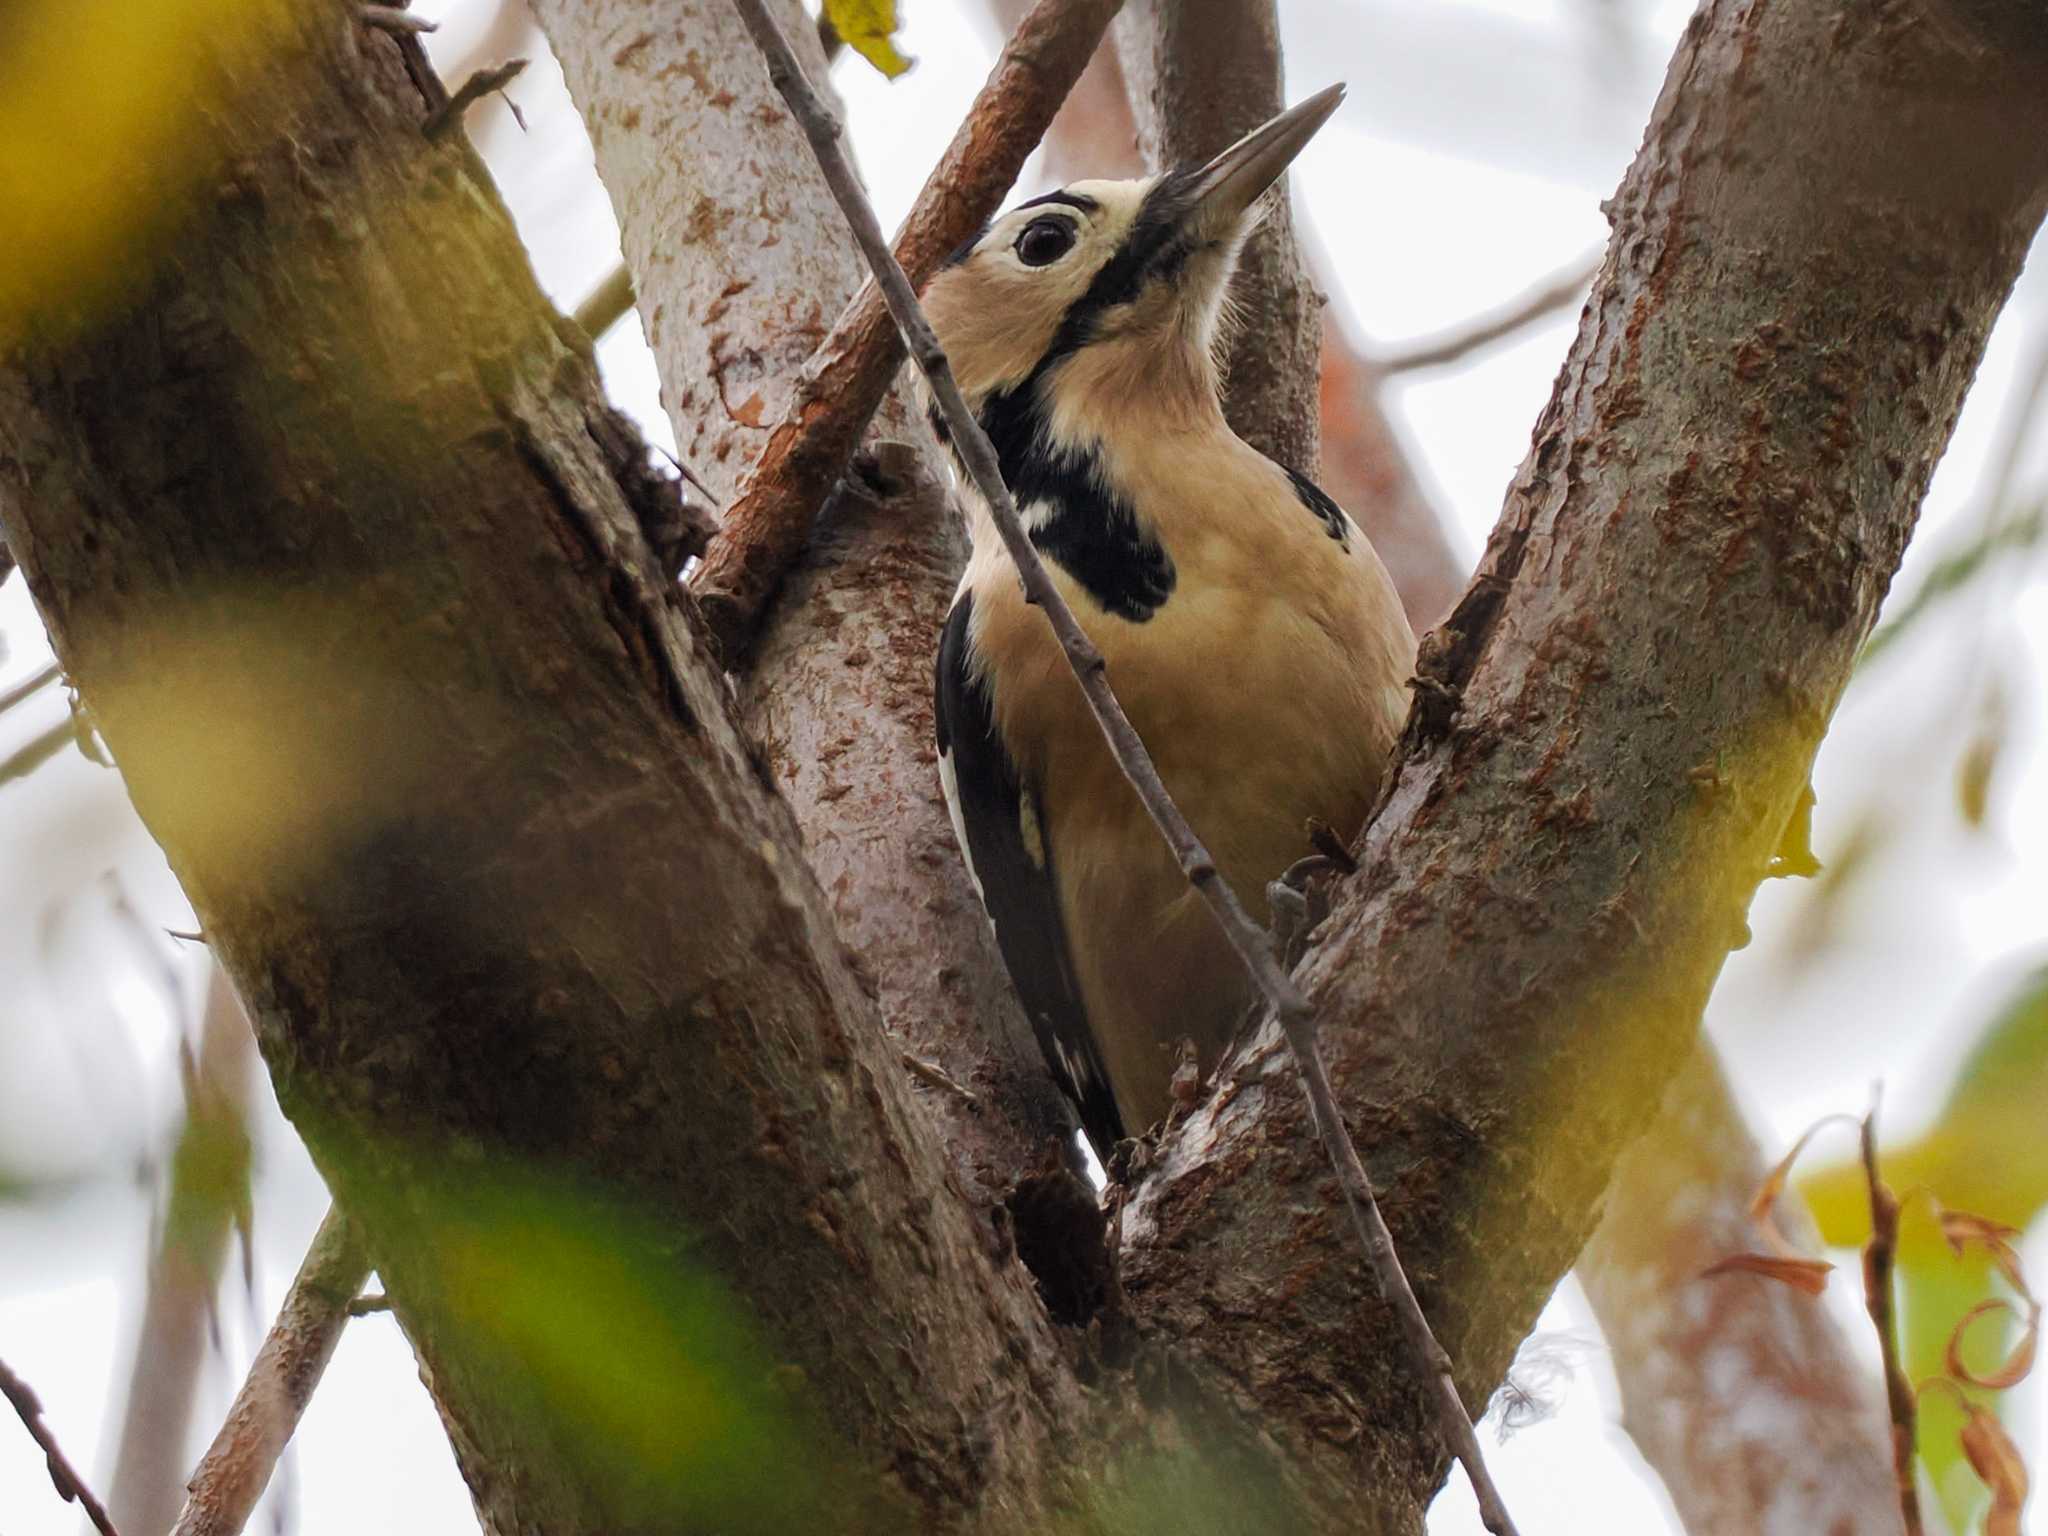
[1250,631]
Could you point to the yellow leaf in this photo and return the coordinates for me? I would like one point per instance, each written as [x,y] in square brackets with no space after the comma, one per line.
[869,27]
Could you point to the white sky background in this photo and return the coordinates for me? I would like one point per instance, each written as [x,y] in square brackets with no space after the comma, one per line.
[1467,165]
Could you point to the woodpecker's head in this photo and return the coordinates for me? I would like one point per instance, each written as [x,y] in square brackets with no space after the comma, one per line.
[1118,285]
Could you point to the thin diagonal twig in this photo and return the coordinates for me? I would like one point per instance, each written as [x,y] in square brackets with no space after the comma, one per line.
[236,1468]
[1252,945]
[28,687]
[70,1486]
[1543,300]
[25,760]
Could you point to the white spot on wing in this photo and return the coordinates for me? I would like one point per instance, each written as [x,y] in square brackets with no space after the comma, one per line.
[950,783]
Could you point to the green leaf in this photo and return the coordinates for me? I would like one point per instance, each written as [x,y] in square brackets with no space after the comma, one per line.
[598,1325]
[869,28]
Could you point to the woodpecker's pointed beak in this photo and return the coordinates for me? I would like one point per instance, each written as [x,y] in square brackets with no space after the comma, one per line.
[1222,190]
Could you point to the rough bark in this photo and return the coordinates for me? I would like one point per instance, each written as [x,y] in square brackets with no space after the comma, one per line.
[1185,113]
[332,509]
[837,693]
[1739,1391]
[1827,213]
[1681,1197]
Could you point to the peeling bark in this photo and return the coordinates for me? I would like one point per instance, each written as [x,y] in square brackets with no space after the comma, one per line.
[1797,294]
[331,508]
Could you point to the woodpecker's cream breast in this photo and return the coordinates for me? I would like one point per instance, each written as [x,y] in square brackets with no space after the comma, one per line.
[1269,687]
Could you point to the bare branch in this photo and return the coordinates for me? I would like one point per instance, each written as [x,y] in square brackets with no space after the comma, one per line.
[1251,943]
[207,1198]
[30,686]
[70,1486]
[23,761]
[807,451]
[1880,1258]
[606,306]
[1459,343]
[236,1468]
[1093,133]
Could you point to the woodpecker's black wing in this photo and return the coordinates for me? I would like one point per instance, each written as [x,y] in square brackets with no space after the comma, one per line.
[1003,839]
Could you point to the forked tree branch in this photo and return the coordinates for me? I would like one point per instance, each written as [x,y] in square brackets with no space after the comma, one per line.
[767,526]
[1250,942]
[237,1467]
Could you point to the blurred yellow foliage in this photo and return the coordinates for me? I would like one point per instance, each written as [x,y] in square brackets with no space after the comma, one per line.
[1984,1154]
[99,135]
[651,1374]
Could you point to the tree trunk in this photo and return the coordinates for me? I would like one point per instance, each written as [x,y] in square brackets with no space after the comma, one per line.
[331,510]
[1612,731]
[837,693]
[1739,1391]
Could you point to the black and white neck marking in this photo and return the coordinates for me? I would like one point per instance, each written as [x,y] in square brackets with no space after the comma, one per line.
[1072,514]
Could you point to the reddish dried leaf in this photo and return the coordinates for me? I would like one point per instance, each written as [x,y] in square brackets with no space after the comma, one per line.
[1808,1275]
[1996,1460]
[2017,1364]
[1774,1185]
[1962,1228]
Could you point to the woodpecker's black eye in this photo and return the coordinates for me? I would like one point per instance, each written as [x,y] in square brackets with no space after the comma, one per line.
[1044,242]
